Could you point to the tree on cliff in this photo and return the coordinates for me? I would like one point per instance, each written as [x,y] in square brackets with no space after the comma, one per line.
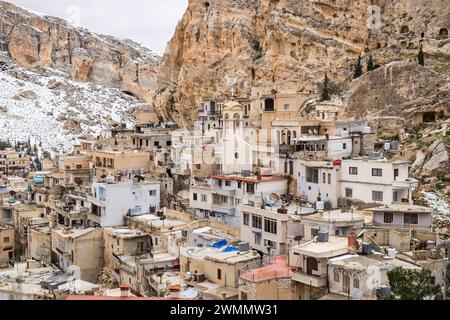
[325,90]
[358,69]
[412,285]
[370,65]
[421,57]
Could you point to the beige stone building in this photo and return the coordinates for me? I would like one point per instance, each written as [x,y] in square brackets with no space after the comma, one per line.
[78,251]
[39,245]
[6,245]
[110,162]
[12,161]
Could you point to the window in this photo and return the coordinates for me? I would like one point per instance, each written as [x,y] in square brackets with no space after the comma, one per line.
[269,243]
[329,178]
[388,217]
[324,178]
[395,196]
[312,175]
[356,282]
[239,185]
[152,193]
[246,219]
[411,218]
[204,198]
[377,196]
[377,172]
[344,146]
[286,107]
[195,197]
[258,239]
[348,193]
[257,222]
[353,171]
[228,183]
[270,226]
[336,275]
[250,188]
[396,173]
[6,240]
[219,274]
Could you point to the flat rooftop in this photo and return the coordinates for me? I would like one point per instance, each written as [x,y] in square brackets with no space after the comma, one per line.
[250,179]
[359,262]
[124,233]
[156,221]
[402,208]
[73,233]
[276,270]
[336,246]
[337,216]
[217,255]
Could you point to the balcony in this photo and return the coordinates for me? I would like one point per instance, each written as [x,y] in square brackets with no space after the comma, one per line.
[310,280]
[223,208]
[224,192]
[94,218]
[405,184]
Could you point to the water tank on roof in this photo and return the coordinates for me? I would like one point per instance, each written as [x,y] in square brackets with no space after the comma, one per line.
[392,253]
[323,236]
[320,205]
[244,246]
[38,180]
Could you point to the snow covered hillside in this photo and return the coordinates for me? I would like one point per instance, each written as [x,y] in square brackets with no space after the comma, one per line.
[50,109]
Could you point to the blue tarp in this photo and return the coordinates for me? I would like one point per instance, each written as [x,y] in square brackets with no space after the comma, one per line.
[220,244]
[231,249]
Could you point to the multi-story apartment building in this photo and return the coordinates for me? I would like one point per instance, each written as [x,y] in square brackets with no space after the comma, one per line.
[78,251]
[115,162]
[12,162]
[112,201]
[365,180]
[219,197]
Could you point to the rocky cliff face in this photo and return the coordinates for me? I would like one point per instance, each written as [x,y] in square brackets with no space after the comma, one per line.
[42,41]
[225,47]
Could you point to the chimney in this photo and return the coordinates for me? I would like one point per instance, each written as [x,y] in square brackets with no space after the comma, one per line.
[352,240]
[124,290]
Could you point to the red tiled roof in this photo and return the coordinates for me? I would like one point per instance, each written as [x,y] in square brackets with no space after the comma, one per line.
[277,270]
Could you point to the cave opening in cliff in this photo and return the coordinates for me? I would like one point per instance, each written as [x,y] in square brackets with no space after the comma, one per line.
[429,117]
[443,33]
[405,29]
[128,93]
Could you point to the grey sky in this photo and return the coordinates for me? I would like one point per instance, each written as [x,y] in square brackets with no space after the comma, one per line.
[149,22]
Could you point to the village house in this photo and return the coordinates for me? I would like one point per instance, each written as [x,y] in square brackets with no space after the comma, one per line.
[7,245]
[111,201]
[373,181]
[78,251]
[269,282]
[216,273]
[11,162]
[72,210]
[310,262]
[115,162]
[357,277]
[219,197]
[39,244]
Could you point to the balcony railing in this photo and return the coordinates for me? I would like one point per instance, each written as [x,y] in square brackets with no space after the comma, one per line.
[314,281]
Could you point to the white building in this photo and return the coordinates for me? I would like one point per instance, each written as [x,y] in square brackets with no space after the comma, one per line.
[370,181]
[376,181]
[111,201]
[219,197]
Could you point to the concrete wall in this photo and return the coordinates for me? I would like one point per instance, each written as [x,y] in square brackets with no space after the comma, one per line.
[39,246]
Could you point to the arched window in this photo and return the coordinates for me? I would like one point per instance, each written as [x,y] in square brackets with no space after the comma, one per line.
[356,284]
[336,275]
[346,283]
[283,137]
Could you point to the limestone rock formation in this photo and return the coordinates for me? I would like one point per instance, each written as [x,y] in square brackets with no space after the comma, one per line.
[223,48]
[42,41]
